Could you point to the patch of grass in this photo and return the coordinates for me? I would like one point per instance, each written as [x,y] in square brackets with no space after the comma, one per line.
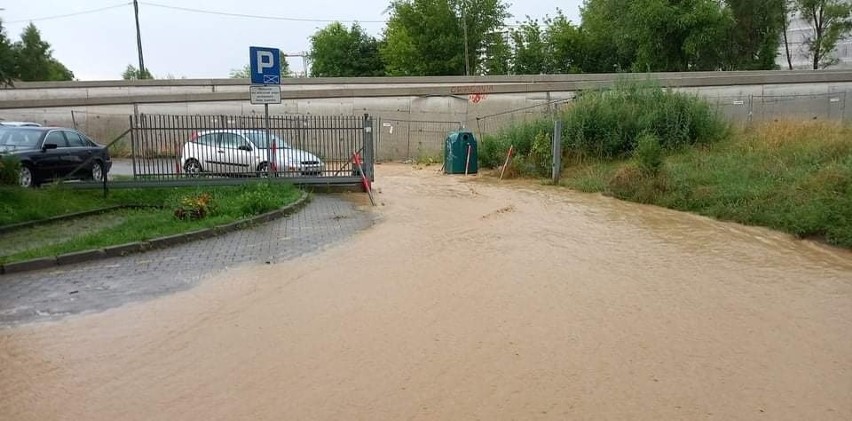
[231,204]
[793,177]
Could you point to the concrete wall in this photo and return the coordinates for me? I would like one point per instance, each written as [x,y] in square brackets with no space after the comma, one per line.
[410,126]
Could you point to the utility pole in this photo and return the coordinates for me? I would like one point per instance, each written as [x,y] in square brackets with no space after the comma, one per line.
[142,73]
[464,26]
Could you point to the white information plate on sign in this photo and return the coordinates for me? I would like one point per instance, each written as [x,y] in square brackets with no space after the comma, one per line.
[268,94]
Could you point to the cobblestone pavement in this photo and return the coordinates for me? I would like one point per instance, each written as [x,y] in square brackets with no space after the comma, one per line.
[103,284]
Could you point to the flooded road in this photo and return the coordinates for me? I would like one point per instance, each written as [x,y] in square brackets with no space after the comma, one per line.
[471,300]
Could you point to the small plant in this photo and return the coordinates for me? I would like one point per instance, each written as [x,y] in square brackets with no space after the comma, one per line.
[257,199]
[649,154]
[9,171]
[194,207]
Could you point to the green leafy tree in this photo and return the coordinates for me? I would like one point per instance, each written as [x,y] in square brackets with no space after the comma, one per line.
[34,59]
[427,37]
[656,35]
[607,43]
[7,58]
[756,33]
[340,52]
[245,71]
[552,45]
[566,43]
[132,73]
[532,55]
[498,55]
[830,21]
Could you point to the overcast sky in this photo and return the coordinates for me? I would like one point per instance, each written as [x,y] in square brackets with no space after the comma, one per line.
[99,45]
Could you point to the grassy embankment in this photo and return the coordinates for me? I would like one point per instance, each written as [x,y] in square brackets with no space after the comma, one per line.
[649,146]
[222,205]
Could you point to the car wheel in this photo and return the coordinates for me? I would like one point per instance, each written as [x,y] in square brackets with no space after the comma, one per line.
[26,178]
[192,168]
[98,171]
[263,170]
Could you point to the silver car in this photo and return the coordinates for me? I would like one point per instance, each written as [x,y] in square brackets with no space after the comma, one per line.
[234,151]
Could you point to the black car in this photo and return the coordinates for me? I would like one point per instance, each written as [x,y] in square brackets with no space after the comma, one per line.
[49,153]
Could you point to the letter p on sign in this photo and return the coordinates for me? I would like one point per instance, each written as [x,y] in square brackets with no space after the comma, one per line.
[265,65]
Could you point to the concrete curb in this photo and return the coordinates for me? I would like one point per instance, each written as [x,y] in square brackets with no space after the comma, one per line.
[161,242]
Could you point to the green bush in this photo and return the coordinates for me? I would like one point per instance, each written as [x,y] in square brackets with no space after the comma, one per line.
[9,168]
[607,124]
[649,154]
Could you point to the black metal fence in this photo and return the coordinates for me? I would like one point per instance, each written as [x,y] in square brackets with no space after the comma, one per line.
[308,149]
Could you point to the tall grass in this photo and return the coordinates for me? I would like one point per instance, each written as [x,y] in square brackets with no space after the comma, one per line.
[607,123]
[793,177]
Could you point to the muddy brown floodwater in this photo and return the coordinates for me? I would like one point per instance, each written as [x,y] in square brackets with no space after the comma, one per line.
[471,300]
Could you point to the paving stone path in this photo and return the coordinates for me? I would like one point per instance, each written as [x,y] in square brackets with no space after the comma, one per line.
[103,284]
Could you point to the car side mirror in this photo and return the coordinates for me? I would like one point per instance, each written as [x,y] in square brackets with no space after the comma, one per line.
[48,146]
[244,148]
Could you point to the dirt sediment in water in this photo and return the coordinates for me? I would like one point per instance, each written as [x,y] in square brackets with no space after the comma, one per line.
[471,300]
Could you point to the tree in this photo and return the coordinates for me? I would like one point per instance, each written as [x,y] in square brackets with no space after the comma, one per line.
[831,21]
[531,50]
[607,46]
[786,9]
[34,59]
[553,45]
[7,59]
[426,37]
[755,34]
[565,45]
[498,55]
[340,52]
[132,73]
[245,71]
[655,35]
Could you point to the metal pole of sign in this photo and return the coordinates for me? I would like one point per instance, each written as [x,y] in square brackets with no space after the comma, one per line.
[269,157]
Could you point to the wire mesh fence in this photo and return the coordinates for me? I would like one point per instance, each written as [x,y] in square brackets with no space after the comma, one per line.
[412,140]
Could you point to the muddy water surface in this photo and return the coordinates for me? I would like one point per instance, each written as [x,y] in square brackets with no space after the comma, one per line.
[471,300]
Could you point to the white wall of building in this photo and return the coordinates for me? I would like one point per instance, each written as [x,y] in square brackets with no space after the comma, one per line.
[798,32]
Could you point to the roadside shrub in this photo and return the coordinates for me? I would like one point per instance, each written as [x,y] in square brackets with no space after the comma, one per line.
[9,167]
[649,154]
[607,124]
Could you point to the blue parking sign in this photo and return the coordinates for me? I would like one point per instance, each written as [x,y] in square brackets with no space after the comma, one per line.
[265,65]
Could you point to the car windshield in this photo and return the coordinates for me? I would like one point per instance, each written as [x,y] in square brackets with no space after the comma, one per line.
[19,138]
[261,142]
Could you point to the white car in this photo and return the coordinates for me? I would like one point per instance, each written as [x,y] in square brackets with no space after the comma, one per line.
[19,124]
[241,151]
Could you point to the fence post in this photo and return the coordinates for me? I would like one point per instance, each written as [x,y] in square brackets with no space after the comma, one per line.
[368,147]
[134,119]
[557,151]
[845,106]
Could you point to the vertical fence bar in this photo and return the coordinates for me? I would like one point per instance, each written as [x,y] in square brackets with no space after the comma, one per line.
[133,138]
[368,146]
[557,151]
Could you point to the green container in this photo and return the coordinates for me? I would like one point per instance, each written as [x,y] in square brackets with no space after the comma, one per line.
[456,153]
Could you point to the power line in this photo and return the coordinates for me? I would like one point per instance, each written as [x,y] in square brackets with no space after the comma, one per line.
[243,15]
[68,15]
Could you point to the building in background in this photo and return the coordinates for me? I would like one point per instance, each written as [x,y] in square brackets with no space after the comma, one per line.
[797,33]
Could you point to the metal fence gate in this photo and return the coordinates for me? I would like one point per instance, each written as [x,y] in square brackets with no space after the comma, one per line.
[192,149]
